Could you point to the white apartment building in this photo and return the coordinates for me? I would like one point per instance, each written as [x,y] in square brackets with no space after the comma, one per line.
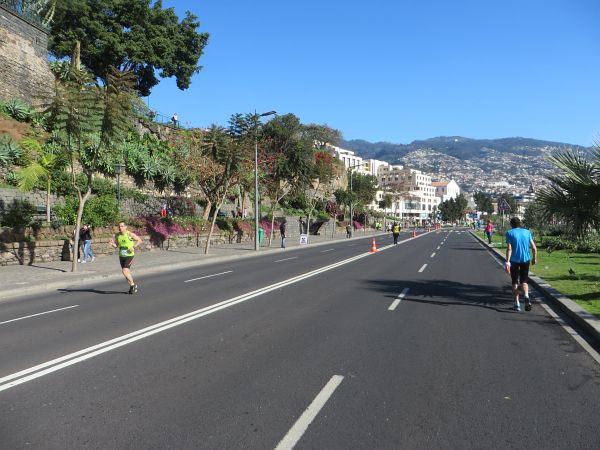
[348,158]
[414,196]
[446,189]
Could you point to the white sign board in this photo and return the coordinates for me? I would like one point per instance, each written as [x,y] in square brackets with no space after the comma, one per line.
[303,239]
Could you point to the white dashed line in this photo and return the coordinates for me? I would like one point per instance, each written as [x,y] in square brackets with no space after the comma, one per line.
[422,268]
[208,276]
[293,436]
[286,259]
[38,314]
[433,254]
[398,299]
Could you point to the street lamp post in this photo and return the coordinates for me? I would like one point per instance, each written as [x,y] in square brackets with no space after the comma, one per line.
[119,169]
[351,220]
[256,213]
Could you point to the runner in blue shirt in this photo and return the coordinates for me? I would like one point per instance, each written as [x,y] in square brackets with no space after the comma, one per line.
[519,241]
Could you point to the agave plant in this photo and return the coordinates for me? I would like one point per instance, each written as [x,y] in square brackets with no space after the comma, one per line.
[18,110]
[10,151]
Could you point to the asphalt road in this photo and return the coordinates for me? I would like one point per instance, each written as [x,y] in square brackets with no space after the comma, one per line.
[328,347]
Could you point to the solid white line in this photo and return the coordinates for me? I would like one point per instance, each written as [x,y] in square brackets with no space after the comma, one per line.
[299,428]
[38,314]
[422,268]
[208,276]
[433,254]
[286,259]
[56,364]
[328,250]
[398,299]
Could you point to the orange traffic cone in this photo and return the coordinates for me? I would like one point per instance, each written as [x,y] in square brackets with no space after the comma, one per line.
[373,246]
[414,233]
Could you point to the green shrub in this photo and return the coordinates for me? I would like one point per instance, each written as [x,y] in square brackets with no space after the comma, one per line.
[18,214]
[100,211]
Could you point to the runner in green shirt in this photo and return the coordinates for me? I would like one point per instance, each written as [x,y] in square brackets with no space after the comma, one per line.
[126,242]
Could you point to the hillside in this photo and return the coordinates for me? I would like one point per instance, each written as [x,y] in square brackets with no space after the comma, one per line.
[475,164]
[455,146]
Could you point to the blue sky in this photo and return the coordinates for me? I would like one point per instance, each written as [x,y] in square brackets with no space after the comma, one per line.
[399,70]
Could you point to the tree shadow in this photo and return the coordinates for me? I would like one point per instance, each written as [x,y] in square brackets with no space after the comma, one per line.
[48,268]
[438,293]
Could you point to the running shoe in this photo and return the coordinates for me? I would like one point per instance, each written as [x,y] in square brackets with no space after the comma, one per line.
[516,308]
[134,289]
[528,306]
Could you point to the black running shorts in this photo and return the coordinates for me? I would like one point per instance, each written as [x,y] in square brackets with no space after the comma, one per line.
[126,262]
[519,271]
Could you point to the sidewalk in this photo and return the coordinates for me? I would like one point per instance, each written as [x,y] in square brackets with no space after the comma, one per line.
[17,280]
[584,319]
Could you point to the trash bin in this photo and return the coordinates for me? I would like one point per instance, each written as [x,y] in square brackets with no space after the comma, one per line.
[261,232]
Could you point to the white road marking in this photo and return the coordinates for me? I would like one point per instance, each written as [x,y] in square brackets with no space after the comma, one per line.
[62,362]
[286,259]
[208,276]
[422,268]
[328,250]
[299,428]
[433,254]
[438,247]
[38,314]
[398,299]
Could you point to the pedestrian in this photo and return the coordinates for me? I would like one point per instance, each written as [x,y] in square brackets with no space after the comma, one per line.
[175,120]
[395,232]
[126,241]
[519,241]
[301,225]
[163,211]
[282,233]
[348,231]
[389,227]
[85,236]
[489,230]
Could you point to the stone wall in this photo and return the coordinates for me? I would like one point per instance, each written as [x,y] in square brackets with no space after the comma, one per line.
[24,69]
[30,252]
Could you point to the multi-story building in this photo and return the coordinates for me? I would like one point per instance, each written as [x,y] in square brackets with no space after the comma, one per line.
[446,189]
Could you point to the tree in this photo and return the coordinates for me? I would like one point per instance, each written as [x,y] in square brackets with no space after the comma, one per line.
[573,196]
[483,202]
[284,160]
[43,161]
[89,121]
[133,36]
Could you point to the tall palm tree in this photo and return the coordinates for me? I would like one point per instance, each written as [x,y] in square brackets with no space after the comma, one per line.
[574,195]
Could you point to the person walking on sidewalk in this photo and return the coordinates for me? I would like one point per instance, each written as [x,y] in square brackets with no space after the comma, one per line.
[126,242]
[489,231]
[518,258]
[282,233]
[395,232]
[85,236]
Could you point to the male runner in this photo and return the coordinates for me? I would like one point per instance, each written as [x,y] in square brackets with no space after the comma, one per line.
[126,242]
[519,241]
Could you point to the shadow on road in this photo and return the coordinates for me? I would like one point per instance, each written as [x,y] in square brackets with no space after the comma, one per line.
[93,291]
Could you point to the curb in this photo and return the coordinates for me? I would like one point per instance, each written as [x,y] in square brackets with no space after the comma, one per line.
[157,268]
[586,320]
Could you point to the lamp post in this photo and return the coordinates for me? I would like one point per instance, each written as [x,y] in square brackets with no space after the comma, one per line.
[119,169]
[256,213]
[351,220]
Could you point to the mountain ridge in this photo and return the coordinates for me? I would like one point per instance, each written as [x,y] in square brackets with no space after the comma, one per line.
[456,146]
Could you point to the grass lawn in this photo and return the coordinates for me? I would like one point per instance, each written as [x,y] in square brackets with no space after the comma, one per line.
[582,285]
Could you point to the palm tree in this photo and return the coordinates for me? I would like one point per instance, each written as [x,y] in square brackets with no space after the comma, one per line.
[44,160]
[574,194]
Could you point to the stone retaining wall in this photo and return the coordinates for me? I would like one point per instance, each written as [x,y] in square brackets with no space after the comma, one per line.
[32,252]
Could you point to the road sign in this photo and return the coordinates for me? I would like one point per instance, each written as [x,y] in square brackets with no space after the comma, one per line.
[503,205]
[303,239]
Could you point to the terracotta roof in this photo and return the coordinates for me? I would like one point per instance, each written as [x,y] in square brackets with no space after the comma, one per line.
[439,183]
